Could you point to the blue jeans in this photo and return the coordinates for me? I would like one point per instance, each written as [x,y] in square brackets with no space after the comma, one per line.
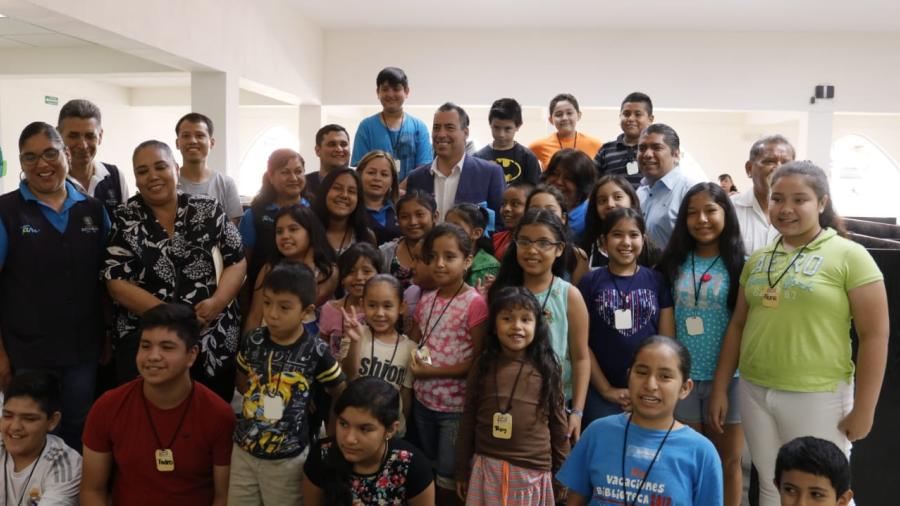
[77,395]
[437,434]
[595,406]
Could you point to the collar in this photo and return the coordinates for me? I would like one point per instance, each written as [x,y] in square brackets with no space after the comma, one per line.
[99,174]
[457,167]
[668,180]
[72,194]
[620,143]
[387,205]
[826,234]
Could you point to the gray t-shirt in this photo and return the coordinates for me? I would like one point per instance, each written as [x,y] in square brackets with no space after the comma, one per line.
[219,187]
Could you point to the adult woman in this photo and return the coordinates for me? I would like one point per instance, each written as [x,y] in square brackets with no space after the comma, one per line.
[573,172]
[381,189]
[163,248]
[791,325]
[52,241]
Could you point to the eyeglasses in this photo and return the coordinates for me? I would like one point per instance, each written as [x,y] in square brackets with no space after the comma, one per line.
[50,155]
[540,244]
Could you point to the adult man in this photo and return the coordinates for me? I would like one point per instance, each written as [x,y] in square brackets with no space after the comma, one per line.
[333,150]
[80,126]
[620,157]
[664,184]
[195,139]
[752,207]
[167,438]
[454,177]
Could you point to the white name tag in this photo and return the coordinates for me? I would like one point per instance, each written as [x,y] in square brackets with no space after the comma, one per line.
[273,407]
[694,325]
[631,168]
[623,319]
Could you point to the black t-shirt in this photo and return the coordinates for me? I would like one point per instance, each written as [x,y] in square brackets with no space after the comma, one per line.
[405,473]
[518,162]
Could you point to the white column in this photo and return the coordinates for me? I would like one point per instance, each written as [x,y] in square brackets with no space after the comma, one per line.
[310,119]
[819,133]
[216,95]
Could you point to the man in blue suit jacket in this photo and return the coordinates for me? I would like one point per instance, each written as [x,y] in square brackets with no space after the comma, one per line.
[454,177]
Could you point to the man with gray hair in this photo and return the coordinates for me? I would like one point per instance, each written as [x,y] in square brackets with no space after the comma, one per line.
[752,207]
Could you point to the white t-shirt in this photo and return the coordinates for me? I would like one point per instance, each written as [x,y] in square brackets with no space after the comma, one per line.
[55,480]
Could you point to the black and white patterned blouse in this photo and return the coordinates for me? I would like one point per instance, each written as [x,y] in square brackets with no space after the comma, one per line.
[177,269]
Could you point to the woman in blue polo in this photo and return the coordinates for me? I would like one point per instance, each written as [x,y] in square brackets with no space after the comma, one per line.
[52,242]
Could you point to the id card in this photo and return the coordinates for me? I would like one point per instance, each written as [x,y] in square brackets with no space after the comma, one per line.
[502,426]
[694,325]
[273,407]
[623,319]
[770,298]
[631,168]
[424,355]
[165,461]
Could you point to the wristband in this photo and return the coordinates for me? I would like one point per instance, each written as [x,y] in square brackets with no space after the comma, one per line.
[576,412]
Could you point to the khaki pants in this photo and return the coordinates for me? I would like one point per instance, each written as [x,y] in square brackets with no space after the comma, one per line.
[254,481]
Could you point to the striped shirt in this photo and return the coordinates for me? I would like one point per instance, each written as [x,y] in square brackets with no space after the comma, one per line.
[613,159]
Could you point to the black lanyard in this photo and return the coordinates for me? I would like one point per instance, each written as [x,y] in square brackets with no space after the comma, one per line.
[649,468]
[623,296]
[574,144]
[547,297]
[775,250]
[7,479]
[428,321]
[394,143]
[280,372]
[511,392]
[697,286]
[394,354]
[180,422]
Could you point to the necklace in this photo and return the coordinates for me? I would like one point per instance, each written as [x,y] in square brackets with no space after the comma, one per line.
[428,320]
[387,366]
[7,479]
[165,459]
[649,468]
[703,277]
[770,298]
[574,144]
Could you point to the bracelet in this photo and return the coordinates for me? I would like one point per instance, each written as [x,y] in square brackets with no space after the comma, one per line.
[576,412]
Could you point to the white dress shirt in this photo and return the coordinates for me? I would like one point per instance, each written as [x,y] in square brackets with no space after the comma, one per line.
[756,231]
[445,186]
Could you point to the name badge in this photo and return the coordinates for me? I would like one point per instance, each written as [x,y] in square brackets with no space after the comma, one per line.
[502,426]
[694,325]
[165,461]
[631,168]
[770,298]
[623,319]
[424,355]
[273,407]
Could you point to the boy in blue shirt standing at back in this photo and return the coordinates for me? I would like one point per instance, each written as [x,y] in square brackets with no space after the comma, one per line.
[404,136]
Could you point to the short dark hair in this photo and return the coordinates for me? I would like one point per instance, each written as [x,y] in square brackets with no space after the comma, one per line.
[195,117]
[392,76]
[39,127]
[817,457]
[352,255]
[327,129]
[638,97]
[564,97]
[670,136]
[463,117]
[506,109]
[79,108]
[40,386]
[294,278]
[179,318]
[756,150]
[153,143]
[684,356]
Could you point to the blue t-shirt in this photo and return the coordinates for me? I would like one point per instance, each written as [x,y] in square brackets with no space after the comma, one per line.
[644,293]
[576,220]
[711,307]
[687,472]
[411,144]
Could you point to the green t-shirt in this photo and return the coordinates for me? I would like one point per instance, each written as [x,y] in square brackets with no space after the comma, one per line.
[483,264]
[803,345]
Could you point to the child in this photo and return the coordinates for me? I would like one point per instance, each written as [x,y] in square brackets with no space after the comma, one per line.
[405,137]
[626,303]
[378,173]
[512,208]
[647,457]
[473,220]
[535,261]
[422,282]
[450,323]
[810,470]
[38,465]
[564,116]
[514,424]
[339,206]
[702,264]
[619,158]
[416,214]
[518,162]
[550,198]
[609,193]
[277,366]
[299,237]
[364,463]
[356,266]
[574,174]
[194,139]
[377,349]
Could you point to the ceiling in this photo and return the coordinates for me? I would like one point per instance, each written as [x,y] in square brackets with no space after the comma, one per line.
[708,15]
[15,34]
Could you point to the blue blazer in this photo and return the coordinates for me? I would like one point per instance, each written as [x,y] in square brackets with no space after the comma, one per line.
[480,181]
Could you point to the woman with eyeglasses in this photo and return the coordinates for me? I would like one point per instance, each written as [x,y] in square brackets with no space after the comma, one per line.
[52,242]
[164,248]
[536,260]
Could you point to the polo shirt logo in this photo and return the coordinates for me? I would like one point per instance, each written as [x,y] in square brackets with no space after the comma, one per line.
[267,219]
[30,230]
[88,226]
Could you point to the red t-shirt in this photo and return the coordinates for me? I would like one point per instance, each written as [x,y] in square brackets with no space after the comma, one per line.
[118,424]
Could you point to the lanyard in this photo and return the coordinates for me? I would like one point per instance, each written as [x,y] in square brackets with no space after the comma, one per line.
[394,354]
[774,250]
[7,479]
[177,428]
[703,277]
[429,332]
[649,468]
[623,296]
[280,371]
[547,297]
[574,144]
[511,392]
[394,143]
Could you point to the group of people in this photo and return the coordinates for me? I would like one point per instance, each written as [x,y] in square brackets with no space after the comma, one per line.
[422,323]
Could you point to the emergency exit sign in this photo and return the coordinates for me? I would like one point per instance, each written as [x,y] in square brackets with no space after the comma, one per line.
[51,100]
